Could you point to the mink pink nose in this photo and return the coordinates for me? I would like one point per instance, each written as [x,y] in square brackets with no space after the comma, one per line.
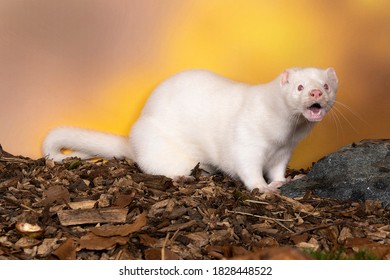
[316,93]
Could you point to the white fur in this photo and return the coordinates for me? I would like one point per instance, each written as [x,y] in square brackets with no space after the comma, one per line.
[85,144]
[247,131]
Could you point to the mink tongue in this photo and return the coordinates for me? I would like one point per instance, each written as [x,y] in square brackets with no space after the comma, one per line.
[315,108]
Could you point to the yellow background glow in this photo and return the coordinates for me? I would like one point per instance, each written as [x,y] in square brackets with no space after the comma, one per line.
[93,63]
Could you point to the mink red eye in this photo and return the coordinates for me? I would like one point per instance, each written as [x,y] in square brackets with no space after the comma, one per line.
[300,87]
[326,87]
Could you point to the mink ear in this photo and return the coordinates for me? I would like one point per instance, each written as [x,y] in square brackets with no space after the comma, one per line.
[284,79]
[332,75]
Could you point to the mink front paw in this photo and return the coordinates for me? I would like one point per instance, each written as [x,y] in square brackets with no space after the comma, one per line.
[272,187]
[275,185]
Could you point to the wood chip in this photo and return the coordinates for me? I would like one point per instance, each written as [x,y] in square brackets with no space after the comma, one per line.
[47,246]
[92,216]
[85,204]
[27,242]
[153,181]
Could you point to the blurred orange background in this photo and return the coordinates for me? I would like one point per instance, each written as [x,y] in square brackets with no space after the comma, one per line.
[93,63]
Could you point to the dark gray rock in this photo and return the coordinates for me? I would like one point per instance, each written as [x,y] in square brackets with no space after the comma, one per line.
[359,171]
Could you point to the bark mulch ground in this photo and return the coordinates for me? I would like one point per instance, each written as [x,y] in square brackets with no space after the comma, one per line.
[111,210]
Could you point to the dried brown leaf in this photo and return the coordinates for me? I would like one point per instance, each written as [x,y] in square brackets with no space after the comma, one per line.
[300,238]
[55,193]
[264,228]
[67,250]
[123,200]
[121,230]
[358,244]
[156,254]
[268,242]
[147,240]
[91,241]
[277,253]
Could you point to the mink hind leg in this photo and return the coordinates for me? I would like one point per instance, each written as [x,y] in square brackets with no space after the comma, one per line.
[159,153]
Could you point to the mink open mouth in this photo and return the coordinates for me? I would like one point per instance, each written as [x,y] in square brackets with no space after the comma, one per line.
[315,112]
[315,106]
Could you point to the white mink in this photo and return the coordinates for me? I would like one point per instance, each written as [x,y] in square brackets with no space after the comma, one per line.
[246,131]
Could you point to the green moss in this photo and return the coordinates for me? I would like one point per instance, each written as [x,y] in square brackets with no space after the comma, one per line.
[340,254]
[364,255]
[240,196]
[74,164]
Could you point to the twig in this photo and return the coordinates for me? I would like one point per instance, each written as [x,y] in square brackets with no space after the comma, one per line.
[119,255]
[17,160]
[163,247]
[256,201]
[278,221]
[19,204]
[29,208]
[317,228]
[261,217]
[283,226]
[174,236]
